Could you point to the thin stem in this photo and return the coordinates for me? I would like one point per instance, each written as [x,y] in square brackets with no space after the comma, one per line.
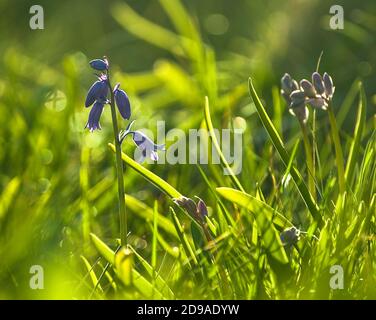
[119,169]
[338,149]
[309,159]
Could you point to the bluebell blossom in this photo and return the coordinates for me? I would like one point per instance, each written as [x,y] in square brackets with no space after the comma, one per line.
[288,85]
[99,64]
[198,211]
[98,94]
[98,90]
[122,102]
[202,209]
[322,90]
[318,94]
[187,203]
[290,236]
[147,147]
[294,98]
[94,116]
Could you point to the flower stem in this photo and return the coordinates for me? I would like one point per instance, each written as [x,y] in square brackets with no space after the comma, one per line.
[309,159]
[338,149]
[119,169]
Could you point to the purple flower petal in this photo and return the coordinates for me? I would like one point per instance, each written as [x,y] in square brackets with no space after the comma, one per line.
[122,103]
[154,156]
[94,116]
[318,83]
[319,103]
[308,88]
[98,90]
[328,83]
[147,146]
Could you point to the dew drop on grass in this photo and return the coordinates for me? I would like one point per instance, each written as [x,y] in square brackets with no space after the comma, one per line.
[216,24]
[43,185]
[46,156]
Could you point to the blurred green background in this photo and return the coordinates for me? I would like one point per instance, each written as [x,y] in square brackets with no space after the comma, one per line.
[56,179]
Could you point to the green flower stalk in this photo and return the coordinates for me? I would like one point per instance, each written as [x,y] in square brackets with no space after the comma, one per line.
[97,96]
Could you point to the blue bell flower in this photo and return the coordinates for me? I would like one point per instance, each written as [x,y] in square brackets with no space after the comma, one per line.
[99,64]
[94,116]
[98,90]
[122,102]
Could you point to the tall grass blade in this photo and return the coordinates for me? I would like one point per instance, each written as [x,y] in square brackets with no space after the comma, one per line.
[358,131]
[150,176]
[278,144]
[215,142]
[265,218]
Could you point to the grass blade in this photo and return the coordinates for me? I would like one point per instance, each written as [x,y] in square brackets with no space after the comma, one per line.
[215,142]
[92,274]
[265,219]
[358,131]
[105,251]
[278,144]
[145,212]
[160,283]
[183,238]
[150,176]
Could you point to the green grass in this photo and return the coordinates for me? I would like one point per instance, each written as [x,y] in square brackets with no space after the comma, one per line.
[58,195]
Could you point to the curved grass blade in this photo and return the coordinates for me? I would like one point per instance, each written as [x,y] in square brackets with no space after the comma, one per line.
[160,283]
[254,204]
[183,238]
[105,251]
[128,275]
[265,217]
[92,274]
[145,212]
[215,142]
[278,144]
[150,176]
[8,195]
[358,131]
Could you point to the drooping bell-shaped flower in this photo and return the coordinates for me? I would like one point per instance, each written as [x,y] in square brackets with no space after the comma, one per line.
[308,88]
[122,102]
[202,210]
[328,83]
[318,83]
[94,116]
[99,64]
[288,85]
[146,145]
[98,90]
[290,236]
[187,203]
[317,94]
